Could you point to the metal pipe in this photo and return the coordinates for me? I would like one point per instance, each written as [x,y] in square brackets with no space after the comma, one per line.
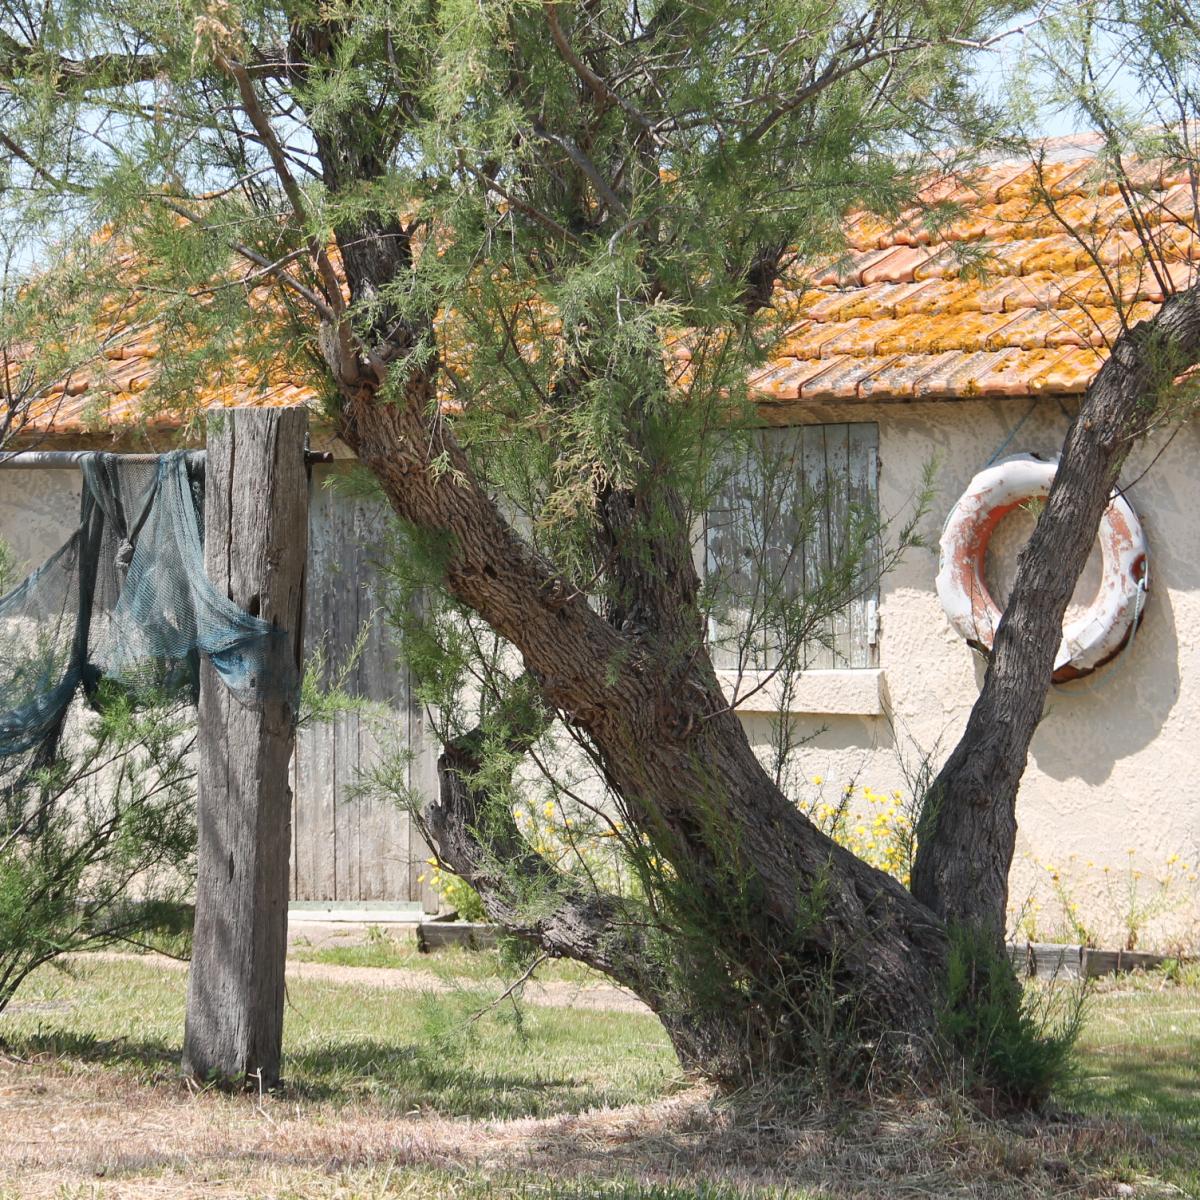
[56,460]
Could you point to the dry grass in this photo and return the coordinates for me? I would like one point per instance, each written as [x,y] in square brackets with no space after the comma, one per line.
[389,1098]
[118,1137]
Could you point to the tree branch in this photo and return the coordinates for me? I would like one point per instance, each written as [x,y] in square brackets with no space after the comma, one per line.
[110,69]
[598,87]
[476,836]
[62,185]
[591,172]
[262,126]
[274,268]
[514,202]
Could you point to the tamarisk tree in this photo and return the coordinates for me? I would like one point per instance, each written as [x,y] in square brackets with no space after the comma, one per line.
[529,252]
[1145,114]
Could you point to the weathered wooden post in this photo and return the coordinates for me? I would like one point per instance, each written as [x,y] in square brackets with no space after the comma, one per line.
[256,535]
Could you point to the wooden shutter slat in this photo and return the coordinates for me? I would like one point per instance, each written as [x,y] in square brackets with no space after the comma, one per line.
[863,441]
[791,506]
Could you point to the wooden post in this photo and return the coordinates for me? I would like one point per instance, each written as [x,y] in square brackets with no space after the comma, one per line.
[255,548]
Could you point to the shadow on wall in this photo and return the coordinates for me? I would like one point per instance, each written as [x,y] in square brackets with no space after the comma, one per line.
[1091,724]
[1133,697]
[1120,710]
[841,748]
[833,731]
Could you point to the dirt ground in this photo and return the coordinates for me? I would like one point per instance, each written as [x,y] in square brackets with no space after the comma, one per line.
[74,1127]
[95,1127]
[96,1134]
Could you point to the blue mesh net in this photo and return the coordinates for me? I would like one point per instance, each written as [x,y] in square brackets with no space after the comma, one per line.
[126,599]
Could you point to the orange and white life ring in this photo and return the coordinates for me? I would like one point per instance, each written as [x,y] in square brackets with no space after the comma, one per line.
[1096,636]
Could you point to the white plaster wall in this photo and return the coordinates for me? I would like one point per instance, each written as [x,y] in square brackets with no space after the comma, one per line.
[39,510]
[1113,765]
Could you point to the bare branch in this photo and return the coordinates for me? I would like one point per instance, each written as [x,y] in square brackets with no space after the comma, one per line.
[111,70]
[262,126]
[535,214]
[276,269]
[597,85]
[585,164]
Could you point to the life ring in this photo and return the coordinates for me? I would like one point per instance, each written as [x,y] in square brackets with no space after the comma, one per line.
[1096,636]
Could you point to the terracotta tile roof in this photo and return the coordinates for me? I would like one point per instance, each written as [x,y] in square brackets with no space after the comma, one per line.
[103,399]
[895,318]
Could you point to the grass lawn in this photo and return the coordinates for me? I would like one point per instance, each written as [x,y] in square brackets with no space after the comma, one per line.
[399,1093]
[380,948]
[1139,1059]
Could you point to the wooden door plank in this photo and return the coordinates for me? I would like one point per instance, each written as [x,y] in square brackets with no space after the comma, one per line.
[383,826]
[346,587]
[315,752]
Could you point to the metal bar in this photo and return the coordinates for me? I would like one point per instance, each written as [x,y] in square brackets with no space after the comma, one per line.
[56,460]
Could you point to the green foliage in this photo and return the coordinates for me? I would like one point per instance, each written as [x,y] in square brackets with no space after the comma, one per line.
[1017,1042]
[455,892]
[1181,972]
[326,691]
[99,847]
[566,223]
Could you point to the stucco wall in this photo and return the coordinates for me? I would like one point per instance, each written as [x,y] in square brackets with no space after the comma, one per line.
[1111,765]
[38,512]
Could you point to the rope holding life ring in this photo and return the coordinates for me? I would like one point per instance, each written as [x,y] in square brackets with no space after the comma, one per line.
[1095,637]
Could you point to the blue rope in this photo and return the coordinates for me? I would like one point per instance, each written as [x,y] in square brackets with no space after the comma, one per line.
[1004,445]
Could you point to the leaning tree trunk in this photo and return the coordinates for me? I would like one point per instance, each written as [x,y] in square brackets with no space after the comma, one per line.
[778,911]
[767,911]
[785,905]
[967,832]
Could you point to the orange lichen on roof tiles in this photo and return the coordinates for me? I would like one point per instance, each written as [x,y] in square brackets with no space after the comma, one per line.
[900,317]
[103,395]
[1013,296]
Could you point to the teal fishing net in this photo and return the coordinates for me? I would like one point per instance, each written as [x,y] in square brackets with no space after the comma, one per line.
[126,600]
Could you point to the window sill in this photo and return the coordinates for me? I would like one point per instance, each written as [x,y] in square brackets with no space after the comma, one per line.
[848,692]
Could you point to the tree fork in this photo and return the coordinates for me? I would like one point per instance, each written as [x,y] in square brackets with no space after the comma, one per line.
[967,832]
[888,949]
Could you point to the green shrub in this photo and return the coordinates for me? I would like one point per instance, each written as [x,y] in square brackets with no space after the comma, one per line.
[455,893]
[99,847]
[1016,1042]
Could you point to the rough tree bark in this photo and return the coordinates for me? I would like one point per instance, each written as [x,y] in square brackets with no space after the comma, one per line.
[785,905]
[669,744]
[256,538]
[967,833]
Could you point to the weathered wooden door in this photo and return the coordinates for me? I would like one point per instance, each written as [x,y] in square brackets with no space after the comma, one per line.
[345,847]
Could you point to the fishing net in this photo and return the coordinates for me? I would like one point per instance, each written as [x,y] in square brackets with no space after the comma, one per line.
[125,601]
